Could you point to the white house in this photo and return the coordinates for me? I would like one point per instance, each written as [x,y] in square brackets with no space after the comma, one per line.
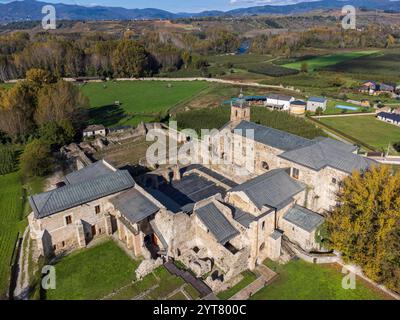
[392,118]
[278,101]
[316,102]
[94,130]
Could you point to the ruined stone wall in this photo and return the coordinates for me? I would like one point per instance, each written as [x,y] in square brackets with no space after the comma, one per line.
[304,239]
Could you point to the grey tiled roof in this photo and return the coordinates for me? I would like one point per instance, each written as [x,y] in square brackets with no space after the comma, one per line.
[303,218]
[317,99]
[276,235]
[217,223]
[327,152]
[134,206]
[279,97]
[244,218]
[73,195]
[272,137]
[274,189]
[92,171]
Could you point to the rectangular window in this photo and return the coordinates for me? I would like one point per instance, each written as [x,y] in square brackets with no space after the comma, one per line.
[97,209]
[295,173]
[68,220]
[63,244]
[263,225]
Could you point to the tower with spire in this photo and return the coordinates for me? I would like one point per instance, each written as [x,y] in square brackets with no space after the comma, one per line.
[240,108]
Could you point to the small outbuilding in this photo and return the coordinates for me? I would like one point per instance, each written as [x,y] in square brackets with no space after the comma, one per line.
[316,102]
[95,130]
[298,107]
[392,118]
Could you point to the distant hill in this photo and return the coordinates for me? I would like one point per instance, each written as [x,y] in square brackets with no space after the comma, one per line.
[31,10]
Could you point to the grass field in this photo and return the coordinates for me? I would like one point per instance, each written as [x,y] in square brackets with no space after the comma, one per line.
[248,277]
[140,100]
[382,66]
[6,85]
[92,273]
[299,280]
[11,214]
[328,60]
[367,129]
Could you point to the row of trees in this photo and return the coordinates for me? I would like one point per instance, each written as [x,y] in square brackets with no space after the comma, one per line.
[288,44]
[102,55]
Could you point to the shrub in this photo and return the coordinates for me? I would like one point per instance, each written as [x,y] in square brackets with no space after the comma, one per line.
[7,159]
[36,159]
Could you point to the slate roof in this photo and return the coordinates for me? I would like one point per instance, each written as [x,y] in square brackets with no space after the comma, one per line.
[134,206]
[298,103]
[190,189]
[73,195]
[317,99]
[91,171]
[303,218]
[217,223]
[279,97]
[391,116]
[272,137]
[274,189]
[244,218]
[327,152]
[276,235]
[95,127]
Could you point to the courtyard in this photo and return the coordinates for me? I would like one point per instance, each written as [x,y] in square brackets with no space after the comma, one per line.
[106,272]
[299,280]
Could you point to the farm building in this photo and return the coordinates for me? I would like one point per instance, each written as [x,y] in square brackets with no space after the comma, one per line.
[94,130]
[278,101]
[298,107]
[389,117]
[316,102]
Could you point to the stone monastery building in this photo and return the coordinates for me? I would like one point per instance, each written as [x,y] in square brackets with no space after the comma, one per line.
[205,217]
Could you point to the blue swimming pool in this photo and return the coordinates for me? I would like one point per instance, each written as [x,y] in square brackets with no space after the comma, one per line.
[346,108]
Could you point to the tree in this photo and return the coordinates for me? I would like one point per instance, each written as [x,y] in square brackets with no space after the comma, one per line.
[396,146]
[55,134]
[319,111]
[391,41]
[60,102]
[17,106]
[304,67]
[187,58]
[365,228]
[39,77]
[36,159]
[130,59]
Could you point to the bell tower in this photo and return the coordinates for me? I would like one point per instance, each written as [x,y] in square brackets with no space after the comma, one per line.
[240,109]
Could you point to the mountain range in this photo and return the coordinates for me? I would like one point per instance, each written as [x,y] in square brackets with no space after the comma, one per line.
[32,10]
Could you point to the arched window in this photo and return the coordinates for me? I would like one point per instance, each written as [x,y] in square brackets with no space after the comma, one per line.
[265,165]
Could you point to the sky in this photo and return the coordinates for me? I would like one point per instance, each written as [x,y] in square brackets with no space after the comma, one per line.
[177,5]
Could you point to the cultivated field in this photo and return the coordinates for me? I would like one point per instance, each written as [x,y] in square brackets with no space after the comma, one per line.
[382,66]
[215,118]
[367,129]
[11,214]
[140,100]
[299,280]
[329,60]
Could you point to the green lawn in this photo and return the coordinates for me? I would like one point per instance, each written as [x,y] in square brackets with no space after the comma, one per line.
[367,129]
[6,85]
[299,280]
[92,273]
[11,214]
[248,277]
[328,60]
[141,100]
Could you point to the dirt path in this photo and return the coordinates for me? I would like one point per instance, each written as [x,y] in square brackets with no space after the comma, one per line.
[22,288]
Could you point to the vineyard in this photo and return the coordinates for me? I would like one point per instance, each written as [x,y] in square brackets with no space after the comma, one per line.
[217,117]
[11,214]
[7,159]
